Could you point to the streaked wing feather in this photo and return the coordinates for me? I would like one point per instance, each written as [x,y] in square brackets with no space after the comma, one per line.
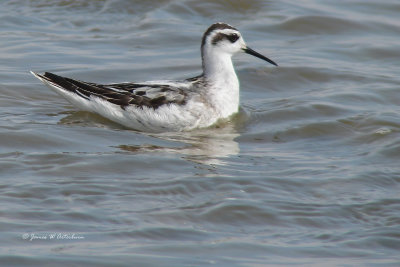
[122,94]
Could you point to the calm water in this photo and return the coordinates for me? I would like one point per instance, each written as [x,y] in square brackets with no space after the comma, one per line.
[307,174]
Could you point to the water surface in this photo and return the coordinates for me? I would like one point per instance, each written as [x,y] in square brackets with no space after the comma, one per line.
[306,174]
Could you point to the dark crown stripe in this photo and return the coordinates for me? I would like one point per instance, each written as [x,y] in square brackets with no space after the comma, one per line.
[215,26]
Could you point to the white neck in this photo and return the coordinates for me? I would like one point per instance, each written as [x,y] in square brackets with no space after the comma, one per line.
[224,85]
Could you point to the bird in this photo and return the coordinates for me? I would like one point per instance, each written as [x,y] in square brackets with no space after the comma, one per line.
[168,106]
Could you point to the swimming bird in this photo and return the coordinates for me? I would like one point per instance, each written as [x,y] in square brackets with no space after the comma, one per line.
[161,106]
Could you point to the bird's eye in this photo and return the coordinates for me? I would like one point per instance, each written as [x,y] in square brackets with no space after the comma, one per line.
[233,37]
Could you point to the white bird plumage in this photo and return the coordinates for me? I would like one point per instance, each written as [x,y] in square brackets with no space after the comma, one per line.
[160,106]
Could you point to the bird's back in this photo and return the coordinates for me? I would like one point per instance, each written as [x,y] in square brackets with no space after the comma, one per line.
[149,106]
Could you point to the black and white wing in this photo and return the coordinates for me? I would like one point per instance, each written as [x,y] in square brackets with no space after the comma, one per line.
[151,95]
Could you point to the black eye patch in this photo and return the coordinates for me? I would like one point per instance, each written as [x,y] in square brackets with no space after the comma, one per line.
[232,37]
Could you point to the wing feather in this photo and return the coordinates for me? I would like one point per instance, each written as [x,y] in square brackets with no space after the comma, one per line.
[122,94]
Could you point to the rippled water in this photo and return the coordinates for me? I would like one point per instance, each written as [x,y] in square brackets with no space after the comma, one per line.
[307,174]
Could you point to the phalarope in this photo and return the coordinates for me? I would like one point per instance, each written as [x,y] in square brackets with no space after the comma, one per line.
[160,106]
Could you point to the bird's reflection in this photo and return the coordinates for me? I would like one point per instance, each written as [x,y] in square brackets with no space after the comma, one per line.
[207,146]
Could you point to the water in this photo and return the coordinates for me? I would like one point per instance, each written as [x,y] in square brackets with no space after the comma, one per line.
[307,174]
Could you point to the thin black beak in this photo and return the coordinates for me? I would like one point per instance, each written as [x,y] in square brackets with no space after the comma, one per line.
[250,51]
